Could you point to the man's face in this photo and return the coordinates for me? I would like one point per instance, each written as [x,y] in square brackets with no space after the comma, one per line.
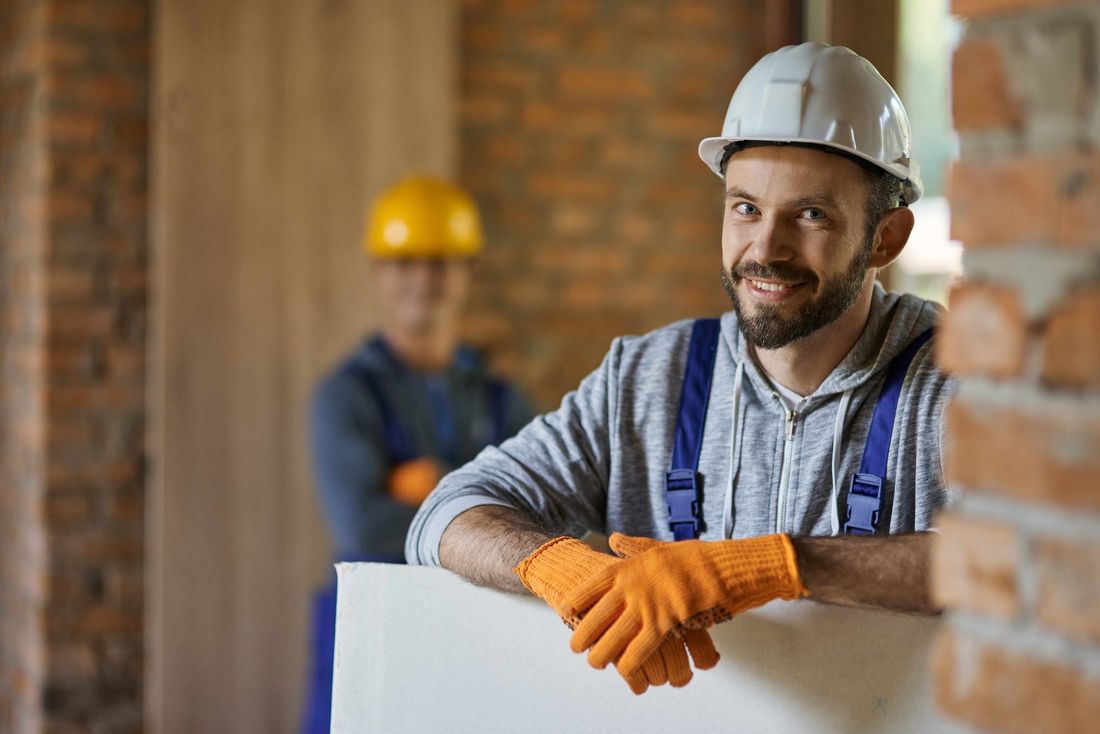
[418,294]
[794,255]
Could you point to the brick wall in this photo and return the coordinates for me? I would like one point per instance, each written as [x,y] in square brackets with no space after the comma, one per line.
[1018,562]
[74,280]
[579,127]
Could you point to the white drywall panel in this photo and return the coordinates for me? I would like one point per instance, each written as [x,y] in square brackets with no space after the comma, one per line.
[419,650]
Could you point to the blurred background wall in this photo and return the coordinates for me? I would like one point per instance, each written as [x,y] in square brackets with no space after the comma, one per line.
[276,123]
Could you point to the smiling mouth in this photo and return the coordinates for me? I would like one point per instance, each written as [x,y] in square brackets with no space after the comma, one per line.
[770,287]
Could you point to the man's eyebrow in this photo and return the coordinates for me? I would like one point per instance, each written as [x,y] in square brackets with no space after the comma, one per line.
[824,200]
[815,200]
[736,193]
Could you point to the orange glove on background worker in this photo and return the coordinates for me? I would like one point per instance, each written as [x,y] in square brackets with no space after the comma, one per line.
[629,608]
[562,564]
[412,481]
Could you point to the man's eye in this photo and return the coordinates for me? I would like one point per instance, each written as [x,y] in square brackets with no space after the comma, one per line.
[812,214]
[746,209]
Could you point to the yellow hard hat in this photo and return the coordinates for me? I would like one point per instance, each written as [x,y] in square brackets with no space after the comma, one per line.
[423,217]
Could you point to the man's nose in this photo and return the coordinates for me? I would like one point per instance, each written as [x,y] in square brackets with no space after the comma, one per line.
[771,242]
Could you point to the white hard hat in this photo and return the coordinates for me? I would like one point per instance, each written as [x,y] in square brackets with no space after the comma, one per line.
[820,95]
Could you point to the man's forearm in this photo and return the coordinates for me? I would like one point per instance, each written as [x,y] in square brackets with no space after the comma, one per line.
[890,572]
[485,543]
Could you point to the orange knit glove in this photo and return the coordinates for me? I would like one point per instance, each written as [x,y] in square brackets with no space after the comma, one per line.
[630,607]
[561,564]
[412,481]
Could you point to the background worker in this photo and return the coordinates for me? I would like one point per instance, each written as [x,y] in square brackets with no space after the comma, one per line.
[411,402]
[812,409]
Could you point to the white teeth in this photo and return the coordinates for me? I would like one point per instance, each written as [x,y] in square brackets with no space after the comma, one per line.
[769,286]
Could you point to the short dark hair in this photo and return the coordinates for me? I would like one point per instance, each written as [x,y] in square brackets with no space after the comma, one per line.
[883,194]
[883,188]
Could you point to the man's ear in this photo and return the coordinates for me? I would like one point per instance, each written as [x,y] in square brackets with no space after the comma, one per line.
[891,235]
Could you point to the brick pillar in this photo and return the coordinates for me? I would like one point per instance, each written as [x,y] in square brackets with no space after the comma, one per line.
[22,533]
[73,90]
[1018,562]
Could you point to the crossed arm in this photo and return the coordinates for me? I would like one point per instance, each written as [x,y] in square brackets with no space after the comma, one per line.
[484,543]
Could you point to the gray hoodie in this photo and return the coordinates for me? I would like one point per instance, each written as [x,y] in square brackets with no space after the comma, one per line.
[599,461]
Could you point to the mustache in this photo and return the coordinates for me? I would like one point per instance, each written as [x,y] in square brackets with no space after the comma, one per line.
[775,271]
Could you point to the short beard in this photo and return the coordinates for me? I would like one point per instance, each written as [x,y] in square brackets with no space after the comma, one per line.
[767,329]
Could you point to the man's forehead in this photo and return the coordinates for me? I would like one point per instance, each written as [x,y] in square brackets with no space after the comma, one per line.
[792,172]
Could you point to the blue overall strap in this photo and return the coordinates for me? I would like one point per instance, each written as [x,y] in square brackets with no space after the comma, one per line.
[685,511]
[399,447]
[865,494]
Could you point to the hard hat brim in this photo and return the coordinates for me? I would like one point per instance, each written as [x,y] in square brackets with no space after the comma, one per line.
[711,151]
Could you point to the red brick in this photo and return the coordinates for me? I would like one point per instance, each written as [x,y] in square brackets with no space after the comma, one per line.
[125,588]
[68,400]
[974,565]
[984,332]
[125,507]
[570,186]
[66,207]
[484,36]
[568,220]
[75,127]
[100,472]
[90,16]
[67,436]
[70,361]
[66,510]
[1042,456]
[1053,200]
[484,110]
[71,660]
[1068,586]
[100,548]
[59,53]
[981,96]
[504,151]
[1071,342]
[103,620]
[125,361]
[688,14]
[75,323]
[682,126]
[102,90]
[544,39]
[999,690]
[595,41]
[983,8]
[500,79]
[69,286]
[604,84]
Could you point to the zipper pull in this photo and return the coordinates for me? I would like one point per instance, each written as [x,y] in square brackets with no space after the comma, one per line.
[790,424]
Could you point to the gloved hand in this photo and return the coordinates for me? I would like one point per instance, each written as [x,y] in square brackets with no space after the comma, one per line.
[412,481]
[629,608]
[560,564]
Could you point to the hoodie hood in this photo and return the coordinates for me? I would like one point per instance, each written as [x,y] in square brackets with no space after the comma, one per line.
[895,319]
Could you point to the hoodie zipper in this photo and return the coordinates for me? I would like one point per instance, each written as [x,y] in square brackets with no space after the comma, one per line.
[785,471]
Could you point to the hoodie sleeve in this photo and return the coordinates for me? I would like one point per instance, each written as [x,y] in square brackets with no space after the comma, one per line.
[555,470]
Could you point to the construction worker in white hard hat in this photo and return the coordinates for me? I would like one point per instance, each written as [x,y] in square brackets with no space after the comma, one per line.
[408,404]
[789,449]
